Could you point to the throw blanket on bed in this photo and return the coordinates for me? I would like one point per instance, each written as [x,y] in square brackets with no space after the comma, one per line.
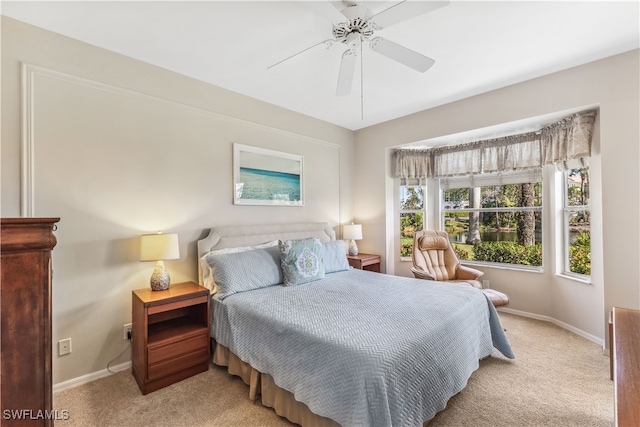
[362,348]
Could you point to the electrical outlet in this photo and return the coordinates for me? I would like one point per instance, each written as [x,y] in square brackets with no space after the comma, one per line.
[485,284]
[127,331]
[64,346]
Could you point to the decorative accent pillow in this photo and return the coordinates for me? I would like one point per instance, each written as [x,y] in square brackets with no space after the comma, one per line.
[207,272]
[301,260]
[245,271]
[335,256]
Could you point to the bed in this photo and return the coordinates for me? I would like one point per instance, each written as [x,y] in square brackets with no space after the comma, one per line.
[346,347]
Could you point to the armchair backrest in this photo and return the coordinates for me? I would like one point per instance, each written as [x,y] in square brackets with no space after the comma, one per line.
[432,252]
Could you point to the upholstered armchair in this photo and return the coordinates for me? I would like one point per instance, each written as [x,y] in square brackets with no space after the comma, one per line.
[434,259]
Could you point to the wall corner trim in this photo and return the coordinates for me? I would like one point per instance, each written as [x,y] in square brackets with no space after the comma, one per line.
[27,141]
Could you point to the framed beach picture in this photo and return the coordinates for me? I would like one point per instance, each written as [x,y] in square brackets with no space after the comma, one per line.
[266,177]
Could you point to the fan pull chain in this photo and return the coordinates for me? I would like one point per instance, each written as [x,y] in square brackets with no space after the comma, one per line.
[361,85]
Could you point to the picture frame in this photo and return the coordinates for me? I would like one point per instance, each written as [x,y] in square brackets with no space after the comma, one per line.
[267,177]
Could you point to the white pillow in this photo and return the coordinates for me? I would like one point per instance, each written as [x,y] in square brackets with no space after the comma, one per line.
[207,272]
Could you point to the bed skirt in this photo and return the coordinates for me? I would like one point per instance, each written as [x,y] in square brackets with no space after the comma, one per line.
[262,386]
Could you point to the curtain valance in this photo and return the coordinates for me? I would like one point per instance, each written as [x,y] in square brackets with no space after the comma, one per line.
[561,143]
[413,165]
[568,139]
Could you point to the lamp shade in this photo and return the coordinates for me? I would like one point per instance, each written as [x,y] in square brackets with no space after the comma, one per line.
[352,232]
[156,247]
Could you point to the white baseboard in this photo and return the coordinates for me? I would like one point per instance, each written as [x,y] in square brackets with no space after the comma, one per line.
[84,379]
[563,325]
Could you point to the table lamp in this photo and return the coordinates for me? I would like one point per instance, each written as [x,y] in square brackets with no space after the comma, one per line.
[159,247]
[352,232]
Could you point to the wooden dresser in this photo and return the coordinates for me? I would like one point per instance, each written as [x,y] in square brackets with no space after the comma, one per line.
[626,366]
[25,312]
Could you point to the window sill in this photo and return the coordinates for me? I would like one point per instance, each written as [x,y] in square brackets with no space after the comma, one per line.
[524,269]
[576,278]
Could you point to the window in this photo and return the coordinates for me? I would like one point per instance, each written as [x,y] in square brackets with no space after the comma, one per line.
[577,219]
[488,195]
[495,218]
[411,217]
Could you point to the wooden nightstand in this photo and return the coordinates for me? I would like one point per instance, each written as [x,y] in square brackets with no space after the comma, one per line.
[170,334]
[365,262]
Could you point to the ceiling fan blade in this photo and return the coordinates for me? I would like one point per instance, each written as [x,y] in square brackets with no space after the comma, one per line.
[405,10]
[328,43]
[347,70]
[401,54]
[325,9]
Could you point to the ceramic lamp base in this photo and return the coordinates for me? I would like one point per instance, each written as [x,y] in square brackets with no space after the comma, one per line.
[160,279]
[353,248]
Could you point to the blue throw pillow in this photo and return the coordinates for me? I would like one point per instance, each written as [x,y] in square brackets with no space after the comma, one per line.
[301,260]
[335,256]
[245,271]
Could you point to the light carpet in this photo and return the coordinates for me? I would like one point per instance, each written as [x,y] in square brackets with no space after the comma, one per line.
[558,379]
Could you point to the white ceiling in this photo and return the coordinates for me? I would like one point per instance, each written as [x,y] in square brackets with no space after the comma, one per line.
[478,46]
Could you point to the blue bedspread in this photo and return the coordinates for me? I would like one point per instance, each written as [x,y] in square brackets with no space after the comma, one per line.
[362,348]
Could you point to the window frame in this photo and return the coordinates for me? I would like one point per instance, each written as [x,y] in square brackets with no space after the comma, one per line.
[566,240]
[495,179]
[401,211]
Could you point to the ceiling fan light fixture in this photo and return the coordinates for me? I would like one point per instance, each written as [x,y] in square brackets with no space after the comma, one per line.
[353,40]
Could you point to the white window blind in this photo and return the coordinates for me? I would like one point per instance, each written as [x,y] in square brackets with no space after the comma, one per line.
[487,179]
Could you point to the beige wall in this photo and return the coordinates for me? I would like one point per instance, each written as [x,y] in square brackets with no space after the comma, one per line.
[612,85]
[121,148]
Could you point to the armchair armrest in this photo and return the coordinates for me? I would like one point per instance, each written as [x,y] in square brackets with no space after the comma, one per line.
[467,273]
[421,274]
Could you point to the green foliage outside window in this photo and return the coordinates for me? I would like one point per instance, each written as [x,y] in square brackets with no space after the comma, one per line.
[508,253]
[580,254]
[412,217]
[460,251]
[409,223]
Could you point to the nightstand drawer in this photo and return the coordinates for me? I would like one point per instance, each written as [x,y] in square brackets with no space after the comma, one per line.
[167,359]
[169,366]
[161,353]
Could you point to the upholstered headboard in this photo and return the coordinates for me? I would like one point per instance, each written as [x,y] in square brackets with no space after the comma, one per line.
[250,235]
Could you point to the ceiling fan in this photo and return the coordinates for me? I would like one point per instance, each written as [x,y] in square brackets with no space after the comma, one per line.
[355,24]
